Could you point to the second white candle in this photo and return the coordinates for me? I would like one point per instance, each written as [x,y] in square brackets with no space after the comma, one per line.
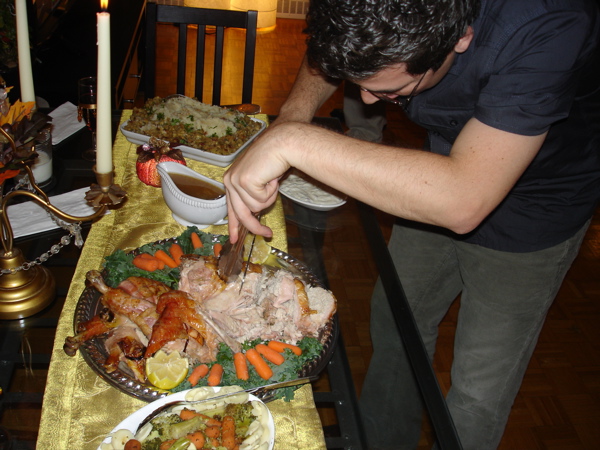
[24,52]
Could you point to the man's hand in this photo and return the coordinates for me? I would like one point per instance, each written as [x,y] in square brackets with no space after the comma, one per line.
[252,182]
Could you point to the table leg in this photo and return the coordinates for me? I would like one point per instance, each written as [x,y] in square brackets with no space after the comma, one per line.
[430,390]
[342,394]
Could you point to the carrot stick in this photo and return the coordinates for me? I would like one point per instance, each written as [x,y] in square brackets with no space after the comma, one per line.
[147,264]
[210,421]
[199,372]
[270,354]
[176,252]
[133,444]
[212,432]
[241,366]
[162,255]
[281,346]
[215,374]
[228,433]
[187,414]
[161,264]
[197,438]
[166,445]
[262,368]
[196,241]
[217,249]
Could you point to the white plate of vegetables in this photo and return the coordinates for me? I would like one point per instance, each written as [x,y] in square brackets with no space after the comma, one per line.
[238,420]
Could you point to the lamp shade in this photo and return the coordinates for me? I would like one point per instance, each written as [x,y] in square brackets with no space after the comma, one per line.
[214,4]
[267,9]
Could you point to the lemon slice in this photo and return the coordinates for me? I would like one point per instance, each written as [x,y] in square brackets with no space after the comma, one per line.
[260,252]
[165,371]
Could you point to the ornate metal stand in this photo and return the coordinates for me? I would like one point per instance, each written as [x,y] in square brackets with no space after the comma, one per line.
[28,287]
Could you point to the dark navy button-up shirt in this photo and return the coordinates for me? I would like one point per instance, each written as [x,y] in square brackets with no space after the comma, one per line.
[533,66]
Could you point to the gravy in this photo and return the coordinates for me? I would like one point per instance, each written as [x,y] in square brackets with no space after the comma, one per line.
[195,187]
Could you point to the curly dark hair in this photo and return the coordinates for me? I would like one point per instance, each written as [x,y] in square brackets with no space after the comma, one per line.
[355,39]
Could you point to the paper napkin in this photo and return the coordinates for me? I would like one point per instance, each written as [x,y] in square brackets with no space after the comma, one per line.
[30,218]
[65,123]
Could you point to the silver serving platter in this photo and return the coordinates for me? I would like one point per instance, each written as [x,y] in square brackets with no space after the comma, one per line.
[94,353]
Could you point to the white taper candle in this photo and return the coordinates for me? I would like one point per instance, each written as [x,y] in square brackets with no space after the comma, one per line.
[104,105]
[24,52]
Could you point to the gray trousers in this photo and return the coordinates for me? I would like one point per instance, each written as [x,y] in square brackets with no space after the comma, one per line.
[364,121]
[504,301]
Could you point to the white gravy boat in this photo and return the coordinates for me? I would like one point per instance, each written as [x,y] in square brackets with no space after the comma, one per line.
[186,209]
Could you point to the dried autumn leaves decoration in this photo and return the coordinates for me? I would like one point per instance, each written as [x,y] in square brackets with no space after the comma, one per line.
[22,124]
[149,155]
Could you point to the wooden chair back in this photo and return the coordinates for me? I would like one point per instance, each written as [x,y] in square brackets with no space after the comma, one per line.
[182,16]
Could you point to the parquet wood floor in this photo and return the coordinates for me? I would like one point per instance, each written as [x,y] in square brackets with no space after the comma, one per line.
[558,406]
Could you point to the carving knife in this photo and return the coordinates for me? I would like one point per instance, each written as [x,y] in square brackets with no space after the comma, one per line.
[230,260]
[249,256]
[232,256]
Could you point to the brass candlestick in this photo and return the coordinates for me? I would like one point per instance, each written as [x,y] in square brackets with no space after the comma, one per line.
[27,287]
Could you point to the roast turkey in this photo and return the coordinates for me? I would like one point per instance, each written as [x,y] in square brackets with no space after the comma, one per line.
[272,304]
[143,316]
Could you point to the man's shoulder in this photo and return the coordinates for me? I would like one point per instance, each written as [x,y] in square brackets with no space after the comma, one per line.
[519,12]
[510,27]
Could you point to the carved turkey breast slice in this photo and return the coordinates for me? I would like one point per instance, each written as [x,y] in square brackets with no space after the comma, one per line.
[273,304]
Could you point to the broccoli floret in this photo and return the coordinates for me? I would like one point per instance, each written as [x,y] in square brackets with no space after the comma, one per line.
[242,415]
[181,444]
[181,429]
[152,444]
[167,427]
[162,424]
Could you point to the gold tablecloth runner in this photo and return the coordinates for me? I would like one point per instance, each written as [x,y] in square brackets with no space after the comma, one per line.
[80,408]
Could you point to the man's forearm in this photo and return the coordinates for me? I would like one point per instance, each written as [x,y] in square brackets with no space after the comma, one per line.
[311,89]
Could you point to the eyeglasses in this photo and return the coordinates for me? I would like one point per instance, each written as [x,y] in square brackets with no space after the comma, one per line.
[401,100]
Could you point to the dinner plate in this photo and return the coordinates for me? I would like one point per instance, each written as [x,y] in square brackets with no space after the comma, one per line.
[309,193]
[195,153]
[311,205]
[132,422]
[94,353]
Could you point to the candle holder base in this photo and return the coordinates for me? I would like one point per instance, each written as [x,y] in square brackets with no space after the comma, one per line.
[109,196]
[105,193]
[24,292]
